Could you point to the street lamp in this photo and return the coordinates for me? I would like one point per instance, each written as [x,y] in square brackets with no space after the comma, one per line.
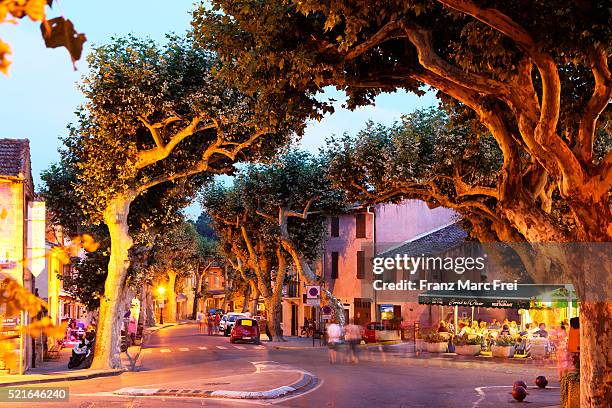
[160,291]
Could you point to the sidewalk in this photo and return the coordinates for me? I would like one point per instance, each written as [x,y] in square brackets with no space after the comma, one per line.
[57,370]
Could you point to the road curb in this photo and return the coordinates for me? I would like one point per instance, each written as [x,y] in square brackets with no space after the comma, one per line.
[106,373]
[306,380]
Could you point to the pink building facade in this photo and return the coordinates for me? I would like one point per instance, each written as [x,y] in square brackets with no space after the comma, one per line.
[356,237]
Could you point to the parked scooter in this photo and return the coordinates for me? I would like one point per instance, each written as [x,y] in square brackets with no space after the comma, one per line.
[82,354]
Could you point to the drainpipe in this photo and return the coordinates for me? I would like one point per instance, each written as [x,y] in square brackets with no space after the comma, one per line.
[370,210]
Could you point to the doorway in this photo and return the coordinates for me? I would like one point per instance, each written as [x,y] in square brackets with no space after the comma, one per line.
[294,319]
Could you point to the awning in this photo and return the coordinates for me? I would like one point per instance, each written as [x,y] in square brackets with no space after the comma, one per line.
[525,297]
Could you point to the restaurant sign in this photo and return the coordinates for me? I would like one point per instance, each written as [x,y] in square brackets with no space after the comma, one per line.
[465,302]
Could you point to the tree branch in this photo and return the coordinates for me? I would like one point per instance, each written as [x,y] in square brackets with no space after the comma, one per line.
[161,151]
[596,105]
[382,35]
[545,130]
[431,61]
[304,214]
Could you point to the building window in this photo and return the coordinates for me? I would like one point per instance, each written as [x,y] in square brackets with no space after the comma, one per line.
[361,264]
[334,265]
[360,225]
[335,226]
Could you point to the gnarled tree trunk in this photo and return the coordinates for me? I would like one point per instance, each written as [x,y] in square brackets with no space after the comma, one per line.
[311,278]
[108,337]
[595,354]
[170,308]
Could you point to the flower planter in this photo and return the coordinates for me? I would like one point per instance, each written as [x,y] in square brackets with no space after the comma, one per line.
[437,347]
[537,351]
[468,350]
[502,351]
[419,345]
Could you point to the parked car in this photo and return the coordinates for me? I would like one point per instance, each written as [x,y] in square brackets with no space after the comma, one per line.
[227,322]
[380,331]
[245,329]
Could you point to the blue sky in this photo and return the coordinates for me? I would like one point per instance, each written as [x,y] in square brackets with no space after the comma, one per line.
[39,96]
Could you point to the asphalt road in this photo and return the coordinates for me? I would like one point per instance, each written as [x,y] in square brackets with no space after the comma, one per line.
[179,355]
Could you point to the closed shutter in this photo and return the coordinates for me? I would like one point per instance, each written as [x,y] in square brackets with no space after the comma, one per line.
[360,225]
[334,265]
[360,264]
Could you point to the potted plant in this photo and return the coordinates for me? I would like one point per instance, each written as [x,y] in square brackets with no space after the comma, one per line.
[436,343]
[504,347]
[467,345]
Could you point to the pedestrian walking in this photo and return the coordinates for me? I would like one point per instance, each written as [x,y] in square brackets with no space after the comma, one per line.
[217,322]
[209,324]
[353,337]
[132,330]
[334,332]
[201,318]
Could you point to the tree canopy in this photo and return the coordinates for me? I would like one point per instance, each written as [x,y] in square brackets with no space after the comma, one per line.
[540,85]
[272,211]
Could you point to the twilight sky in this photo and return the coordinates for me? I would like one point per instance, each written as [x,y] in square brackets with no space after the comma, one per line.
[39,96]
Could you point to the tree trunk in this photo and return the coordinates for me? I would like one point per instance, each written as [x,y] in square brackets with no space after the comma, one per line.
[171,305]
[150,310]
[108,337]
[254,299]
[311,278]
[274,309]
[196,296]
[595,354]
[246,303]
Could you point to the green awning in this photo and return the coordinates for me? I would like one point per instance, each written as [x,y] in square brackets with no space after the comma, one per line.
[525,297]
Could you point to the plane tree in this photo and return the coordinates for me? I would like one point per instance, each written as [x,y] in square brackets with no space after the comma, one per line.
[534,74]
[273,216]
[155,115]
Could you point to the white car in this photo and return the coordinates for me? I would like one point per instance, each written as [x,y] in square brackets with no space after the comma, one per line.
[227,322]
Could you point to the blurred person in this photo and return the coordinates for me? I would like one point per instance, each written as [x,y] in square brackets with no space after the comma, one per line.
[210,324]
[132,325]
[334,332]
[541,331]
[217,322]
[201,317]
[494,325]
[353,337]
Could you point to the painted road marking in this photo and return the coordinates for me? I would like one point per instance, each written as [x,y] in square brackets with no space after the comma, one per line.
[222,347]
[165,350]
[260,347]
[147,351]
[239,347]
[203,348]
[183,349]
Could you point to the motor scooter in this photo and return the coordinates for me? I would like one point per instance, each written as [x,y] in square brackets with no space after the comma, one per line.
[82,353]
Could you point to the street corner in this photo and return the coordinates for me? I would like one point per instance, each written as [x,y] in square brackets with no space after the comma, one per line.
[501,396]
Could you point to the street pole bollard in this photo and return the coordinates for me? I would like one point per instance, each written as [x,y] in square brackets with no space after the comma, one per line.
[416,334]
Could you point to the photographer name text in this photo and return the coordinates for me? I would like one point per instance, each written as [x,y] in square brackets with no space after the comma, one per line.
[449,286]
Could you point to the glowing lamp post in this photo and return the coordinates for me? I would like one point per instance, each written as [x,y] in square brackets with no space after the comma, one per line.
[160,301]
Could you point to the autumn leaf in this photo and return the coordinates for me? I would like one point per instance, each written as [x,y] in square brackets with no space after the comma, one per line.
[60,32]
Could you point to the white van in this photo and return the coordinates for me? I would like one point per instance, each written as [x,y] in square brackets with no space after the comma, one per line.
[227,322]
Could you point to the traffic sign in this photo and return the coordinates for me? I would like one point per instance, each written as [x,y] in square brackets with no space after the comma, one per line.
[313,292]
[313,302]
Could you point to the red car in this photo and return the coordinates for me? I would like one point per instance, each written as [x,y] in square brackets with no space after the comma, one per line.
[245,329]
